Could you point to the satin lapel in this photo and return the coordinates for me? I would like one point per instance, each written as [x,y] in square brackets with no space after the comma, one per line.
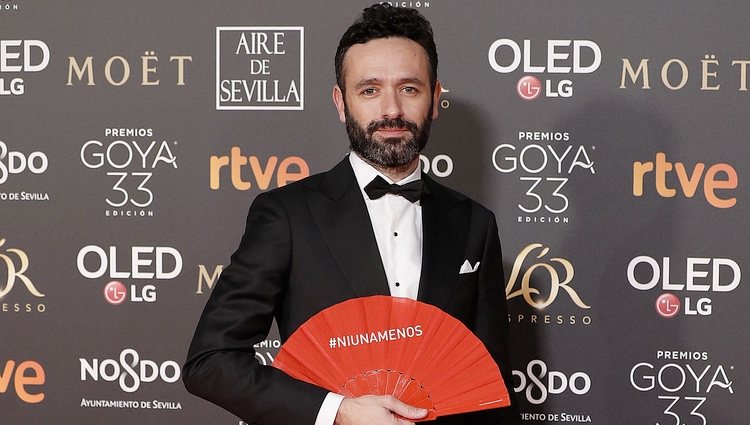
[445,224]
[341,215]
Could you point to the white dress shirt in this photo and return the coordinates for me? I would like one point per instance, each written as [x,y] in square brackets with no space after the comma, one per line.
[397,224]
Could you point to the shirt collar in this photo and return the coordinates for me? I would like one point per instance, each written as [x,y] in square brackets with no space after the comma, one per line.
[365,172]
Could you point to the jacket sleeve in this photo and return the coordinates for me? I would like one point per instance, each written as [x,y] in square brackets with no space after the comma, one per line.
[221,366]
[492,323]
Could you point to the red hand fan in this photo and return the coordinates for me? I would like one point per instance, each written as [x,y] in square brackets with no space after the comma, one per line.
[383,345]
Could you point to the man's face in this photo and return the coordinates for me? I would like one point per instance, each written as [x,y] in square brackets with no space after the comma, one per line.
[388,105]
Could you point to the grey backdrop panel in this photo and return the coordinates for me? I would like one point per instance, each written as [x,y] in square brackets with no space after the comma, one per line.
[619,192]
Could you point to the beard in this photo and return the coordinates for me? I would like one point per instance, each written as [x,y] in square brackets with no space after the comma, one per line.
[390,152]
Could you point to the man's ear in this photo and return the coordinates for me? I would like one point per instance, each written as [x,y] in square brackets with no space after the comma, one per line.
[338,100]
[436,99]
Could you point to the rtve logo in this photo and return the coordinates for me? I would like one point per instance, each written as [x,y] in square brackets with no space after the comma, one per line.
[717,177]
[289,169]
[27,374]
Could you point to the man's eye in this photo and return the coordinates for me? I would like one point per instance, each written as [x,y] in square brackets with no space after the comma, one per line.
[409,90]
[369,92]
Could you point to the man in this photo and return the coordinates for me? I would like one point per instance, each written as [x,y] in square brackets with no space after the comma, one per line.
[336,236]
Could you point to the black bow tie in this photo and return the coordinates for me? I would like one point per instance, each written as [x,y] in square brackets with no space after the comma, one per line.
[378,187]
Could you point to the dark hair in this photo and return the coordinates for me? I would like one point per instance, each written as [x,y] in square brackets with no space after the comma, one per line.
[382,21]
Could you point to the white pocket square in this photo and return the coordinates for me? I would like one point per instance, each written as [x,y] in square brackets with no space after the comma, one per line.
[467,268]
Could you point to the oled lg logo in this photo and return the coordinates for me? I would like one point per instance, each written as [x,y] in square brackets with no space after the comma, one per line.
[25,377]
[18,57]
[701,276]
[146,263]
[130,371]
[562,57]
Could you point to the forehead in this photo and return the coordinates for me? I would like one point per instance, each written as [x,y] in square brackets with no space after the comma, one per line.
[386,58]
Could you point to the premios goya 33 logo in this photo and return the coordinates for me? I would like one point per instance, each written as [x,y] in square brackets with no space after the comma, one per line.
[684,383]
[129,158]
[540,283]
[545,162]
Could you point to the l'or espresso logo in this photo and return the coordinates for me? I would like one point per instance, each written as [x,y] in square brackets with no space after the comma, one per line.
[699,279]
[129,157]
[260,68]
[717,181]
[540,284]
[537,383]
[545,162]
[146,263]
[18,57]
[15,163]
[22,378]
[684,383]
[14,264]
[117,70]
[247,172]
[675,73]
[558,57]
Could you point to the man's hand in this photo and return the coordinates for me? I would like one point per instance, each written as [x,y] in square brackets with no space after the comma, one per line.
[377,410]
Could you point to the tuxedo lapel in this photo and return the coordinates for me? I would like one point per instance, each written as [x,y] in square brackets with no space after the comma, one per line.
[445,224]
[340,212]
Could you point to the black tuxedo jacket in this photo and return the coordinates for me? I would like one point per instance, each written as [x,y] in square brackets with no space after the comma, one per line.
[310,245]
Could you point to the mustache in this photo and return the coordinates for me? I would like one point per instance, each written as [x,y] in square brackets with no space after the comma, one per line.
[374,126]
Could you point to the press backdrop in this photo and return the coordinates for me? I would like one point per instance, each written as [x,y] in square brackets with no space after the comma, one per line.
[609,138]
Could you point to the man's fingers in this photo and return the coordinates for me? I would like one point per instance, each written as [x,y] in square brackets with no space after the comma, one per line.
[404,410]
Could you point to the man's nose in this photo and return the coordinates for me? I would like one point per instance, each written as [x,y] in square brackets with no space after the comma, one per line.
[391,106]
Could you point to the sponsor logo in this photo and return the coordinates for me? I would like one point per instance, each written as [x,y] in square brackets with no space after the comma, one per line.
[246,172]
[439,166]
[14,263]
[409,4]
[129,371]
[23,379]
[130,159]
[18,57]
[14,163]
[558,58]
[537,383]
[117,70]
[684,382]
[146,263]
[704,277]
[715,180]
[260,68]
[545,163]
[674,73]
[540,284]
[209,279]
[8,5]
